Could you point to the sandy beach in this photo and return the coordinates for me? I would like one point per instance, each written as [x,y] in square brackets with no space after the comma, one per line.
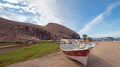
[104,54]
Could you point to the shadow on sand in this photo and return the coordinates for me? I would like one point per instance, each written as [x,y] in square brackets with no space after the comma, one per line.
[94,61]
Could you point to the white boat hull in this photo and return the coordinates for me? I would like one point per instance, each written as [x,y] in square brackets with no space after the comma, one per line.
[79,54]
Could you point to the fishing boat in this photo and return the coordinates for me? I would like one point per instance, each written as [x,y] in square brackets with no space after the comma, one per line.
[77,51]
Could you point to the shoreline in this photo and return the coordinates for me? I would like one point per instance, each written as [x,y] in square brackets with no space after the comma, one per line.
[104,54]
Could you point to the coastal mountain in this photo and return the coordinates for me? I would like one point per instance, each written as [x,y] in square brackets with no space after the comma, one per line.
[61,31]
[20,31]
[15,31]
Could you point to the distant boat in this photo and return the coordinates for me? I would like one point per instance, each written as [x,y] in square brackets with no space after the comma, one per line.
[77,52]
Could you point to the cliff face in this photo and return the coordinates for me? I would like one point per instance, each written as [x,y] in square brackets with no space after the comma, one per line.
[59,31]
[17,31]
[14,31]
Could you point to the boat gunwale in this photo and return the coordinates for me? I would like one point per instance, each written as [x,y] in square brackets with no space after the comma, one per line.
[77,49]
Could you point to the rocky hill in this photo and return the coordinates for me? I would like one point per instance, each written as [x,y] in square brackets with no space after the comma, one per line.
[61,31]
[18,31]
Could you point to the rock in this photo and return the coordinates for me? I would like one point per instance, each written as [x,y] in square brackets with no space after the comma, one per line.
[20,31]
[59,31]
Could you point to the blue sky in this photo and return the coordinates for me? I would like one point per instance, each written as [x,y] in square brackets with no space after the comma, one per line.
[96,18]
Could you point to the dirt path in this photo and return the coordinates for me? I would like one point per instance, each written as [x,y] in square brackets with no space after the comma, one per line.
[10,48]
[105,54]
[2,50]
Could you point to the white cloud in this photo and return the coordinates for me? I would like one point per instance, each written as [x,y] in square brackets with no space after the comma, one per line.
[13,1]
[99,18]
[108,34]
[44,11]
[13,16]
[9,6]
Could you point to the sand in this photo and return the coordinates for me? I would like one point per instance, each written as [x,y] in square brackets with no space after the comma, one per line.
[104,54]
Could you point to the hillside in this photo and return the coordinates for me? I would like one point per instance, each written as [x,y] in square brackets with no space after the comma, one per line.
[61,31]
[17,31]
